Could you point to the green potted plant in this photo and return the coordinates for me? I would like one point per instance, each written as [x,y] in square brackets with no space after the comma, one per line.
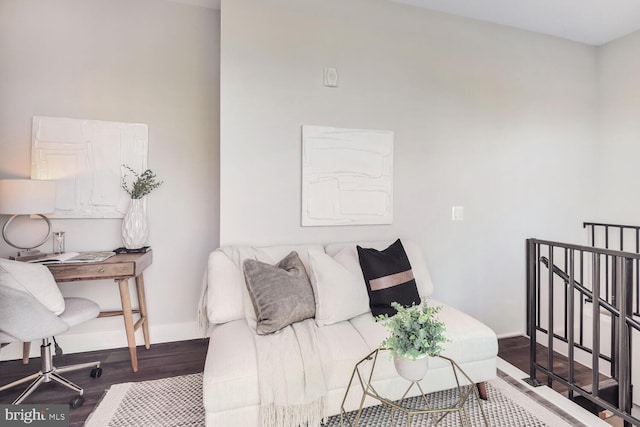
[143,184]
[414,334]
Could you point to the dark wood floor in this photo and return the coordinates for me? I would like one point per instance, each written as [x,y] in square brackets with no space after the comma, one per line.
[179,358]
[516,351]
[160,361]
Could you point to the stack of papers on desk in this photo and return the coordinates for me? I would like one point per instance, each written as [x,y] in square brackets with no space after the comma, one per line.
[73,257]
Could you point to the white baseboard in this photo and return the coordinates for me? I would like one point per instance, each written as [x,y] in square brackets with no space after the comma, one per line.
[116,338]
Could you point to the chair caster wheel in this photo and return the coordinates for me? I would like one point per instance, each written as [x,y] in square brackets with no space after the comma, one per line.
[76,402]
[96,372]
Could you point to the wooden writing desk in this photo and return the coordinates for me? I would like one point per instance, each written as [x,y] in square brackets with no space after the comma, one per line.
[120,268]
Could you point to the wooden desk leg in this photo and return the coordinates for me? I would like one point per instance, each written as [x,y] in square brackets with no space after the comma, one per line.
[26,350]
[125,298]
[142,302]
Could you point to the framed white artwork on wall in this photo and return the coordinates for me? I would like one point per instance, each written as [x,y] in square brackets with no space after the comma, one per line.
[347,176]
[85,158]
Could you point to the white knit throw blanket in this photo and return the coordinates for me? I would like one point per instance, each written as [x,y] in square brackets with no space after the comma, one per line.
[291,380]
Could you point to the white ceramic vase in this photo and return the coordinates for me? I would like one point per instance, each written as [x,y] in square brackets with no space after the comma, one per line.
[410,369]
[135,228]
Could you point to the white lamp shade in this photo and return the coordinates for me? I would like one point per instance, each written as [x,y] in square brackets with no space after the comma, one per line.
[27,196]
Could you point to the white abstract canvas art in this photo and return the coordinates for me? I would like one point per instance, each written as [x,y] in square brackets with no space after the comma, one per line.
[85,158]
[347,176]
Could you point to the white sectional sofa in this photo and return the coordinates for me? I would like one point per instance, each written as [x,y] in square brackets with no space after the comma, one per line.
[231,392]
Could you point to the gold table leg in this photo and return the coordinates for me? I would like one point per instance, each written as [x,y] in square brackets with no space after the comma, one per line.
[436,414]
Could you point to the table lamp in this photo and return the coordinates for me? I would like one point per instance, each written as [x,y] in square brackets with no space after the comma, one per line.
[27,197]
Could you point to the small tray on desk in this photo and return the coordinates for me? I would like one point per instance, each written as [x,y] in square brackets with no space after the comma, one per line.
[124,250]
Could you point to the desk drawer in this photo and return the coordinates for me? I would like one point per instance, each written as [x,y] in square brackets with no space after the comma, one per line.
[72,272]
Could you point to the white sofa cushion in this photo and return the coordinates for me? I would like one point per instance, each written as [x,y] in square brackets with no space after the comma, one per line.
[469,338]
[339,292]
[230,378]
[340,345]
[471,342]
[224,289]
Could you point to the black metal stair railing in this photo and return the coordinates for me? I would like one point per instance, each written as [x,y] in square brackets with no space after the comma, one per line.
[618,237]
[567,284]
[586,296]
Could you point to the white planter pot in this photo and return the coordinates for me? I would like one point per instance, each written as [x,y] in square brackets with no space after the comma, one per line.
[411,370]
[135,228]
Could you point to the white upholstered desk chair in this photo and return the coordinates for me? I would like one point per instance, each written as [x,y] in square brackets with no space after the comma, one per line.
[32,308]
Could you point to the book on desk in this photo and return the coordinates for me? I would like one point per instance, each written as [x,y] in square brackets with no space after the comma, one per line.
[74,257]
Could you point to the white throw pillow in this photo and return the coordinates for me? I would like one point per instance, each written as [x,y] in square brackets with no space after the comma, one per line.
[339,289]
[224,289]
[34,279]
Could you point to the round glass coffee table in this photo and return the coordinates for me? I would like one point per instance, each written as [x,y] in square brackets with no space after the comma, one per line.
[411,408]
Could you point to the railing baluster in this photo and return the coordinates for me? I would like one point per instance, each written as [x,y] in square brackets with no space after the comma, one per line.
[550,320]
[532,262]
[606,273]
[582,299]
[636,311]
[538,284]
[595,333]
[625,289]
[570,332]
[615,274]
[566,295]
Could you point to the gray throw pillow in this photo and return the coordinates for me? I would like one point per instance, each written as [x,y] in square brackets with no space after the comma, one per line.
[281,294]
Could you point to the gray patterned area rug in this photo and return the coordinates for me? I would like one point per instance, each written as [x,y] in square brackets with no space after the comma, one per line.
[177,401]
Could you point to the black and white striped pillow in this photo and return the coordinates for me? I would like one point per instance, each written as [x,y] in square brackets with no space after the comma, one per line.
[388,277]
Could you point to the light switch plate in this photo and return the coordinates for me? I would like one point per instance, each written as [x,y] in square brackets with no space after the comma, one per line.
[331,77]
[457,213]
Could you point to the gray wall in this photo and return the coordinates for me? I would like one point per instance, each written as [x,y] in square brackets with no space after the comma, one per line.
[143,61]
[618,200]
[500,121]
